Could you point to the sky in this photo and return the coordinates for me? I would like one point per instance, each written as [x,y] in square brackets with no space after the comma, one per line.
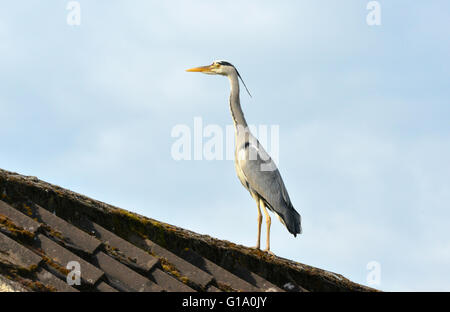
[362,112]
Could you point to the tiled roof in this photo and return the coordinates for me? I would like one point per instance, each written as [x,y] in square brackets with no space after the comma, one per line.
[49,234]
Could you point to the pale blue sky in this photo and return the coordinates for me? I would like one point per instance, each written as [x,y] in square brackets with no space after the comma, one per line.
[363,115]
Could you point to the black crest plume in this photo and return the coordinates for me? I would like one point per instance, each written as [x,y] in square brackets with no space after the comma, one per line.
[229,64]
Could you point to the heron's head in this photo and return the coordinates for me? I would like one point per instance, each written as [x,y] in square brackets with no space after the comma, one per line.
[216,68]
[223,68]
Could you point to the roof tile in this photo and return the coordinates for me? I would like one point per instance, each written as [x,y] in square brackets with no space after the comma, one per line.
[193,273]
[89,273]
[15,253]
[168,282]
[120,247]
[223,277]
[212,288]
[255,279]
[48,278]
[72,236]
[7,285]
[122,277]
[18,218]
[103,287]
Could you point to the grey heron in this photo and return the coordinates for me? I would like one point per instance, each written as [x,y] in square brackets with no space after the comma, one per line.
[254,167]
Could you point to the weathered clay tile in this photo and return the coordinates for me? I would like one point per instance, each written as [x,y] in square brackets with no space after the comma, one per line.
[68,233]
[120,247]
[122,277]
[186,269]
[18,218]
[16,254]
[168,282]
[103,287]
[224,278]
[58,254]
[48,279]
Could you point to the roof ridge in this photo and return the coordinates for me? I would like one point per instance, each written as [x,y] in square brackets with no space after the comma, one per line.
[133,227]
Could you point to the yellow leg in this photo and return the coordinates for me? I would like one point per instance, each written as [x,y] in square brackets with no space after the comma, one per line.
[268,222]
[258,242]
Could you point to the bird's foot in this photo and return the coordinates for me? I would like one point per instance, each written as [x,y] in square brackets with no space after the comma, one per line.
[269,252]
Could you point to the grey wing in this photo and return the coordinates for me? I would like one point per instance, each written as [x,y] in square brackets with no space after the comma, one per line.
[263,177]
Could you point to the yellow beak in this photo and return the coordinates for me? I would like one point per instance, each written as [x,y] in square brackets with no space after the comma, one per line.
[201,69]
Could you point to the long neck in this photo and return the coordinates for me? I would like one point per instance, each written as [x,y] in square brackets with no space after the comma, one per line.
[235,104]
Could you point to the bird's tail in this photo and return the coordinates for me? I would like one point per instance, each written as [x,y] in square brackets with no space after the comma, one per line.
[291,219]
